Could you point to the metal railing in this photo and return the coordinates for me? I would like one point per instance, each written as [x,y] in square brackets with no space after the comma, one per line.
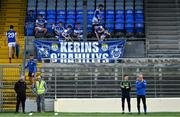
[101,80]
[9,74]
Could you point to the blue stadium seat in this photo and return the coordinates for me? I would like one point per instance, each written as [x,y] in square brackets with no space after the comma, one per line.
[51,20]
[129,27]
[60,20]
[110,27]
[49,12]
[119,26]
[51,16]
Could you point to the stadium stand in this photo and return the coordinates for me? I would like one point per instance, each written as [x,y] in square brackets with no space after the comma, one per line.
[163,28]
[12,13]
[122,16]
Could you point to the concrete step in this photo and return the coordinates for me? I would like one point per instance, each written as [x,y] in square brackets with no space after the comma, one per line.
[163,41]
[161,5]
[163,10]
[163,28]
[161,1]
[5,61]
[162,37]
[164,46]
[170,32]
[154,14]
[163,23]
[162,19]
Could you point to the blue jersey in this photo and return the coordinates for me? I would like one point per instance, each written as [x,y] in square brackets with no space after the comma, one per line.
[78,31]
[31,65]
[11,35]
[99,29]
[59,29]
[41,22]
[141,88]
[97,14]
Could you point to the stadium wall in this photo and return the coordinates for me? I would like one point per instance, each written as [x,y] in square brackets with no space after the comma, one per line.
[114,105]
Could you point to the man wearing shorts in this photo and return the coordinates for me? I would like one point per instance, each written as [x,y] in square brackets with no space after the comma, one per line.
[31,65]
[11,35]
[40,25]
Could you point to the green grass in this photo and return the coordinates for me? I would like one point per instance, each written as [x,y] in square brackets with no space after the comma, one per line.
[90,115]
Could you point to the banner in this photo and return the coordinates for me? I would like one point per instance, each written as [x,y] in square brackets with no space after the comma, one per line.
[80,52]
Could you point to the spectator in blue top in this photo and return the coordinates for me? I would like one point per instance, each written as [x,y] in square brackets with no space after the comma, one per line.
[141,92]
[30,17]
[78,31]
[58,29]
[40,25]
[31,65]
[68,33]
[97,15]
[11,35]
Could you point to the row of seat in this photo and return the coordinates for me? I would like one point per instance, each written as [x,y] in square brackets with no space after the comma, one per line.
[120,15]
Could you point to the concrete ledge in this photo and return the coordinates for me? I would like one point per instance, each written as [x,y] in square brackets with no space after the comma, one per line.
[114,105]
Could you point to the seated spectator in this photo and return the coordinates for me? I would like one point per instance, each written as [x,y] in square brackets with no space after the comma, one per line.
[30,17]
[68,33]
[40,25]
[58,29]
[78,32]
[101,33]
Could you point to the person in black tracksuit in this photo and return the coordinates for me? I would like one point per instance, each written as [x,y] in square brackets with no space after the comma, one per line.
[20,89]
[125,89]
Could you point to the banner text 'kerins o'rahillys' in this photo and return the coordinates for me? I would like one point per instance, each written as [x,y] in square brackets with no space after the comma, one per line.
[80,52]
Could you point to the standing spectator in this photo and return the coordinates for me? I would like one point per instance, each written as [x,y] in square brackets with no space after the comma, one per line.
[40,90]
[78,31]
[30,17]
[58,29]
[31,65]
[68,33]
[101,33]
[141,92]
[125,90]
[40,25]
[11,35]
[20,89]
[97,15]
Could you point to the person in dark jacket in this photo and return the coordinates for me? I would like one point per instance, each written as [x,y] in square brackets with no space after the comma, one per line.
[125,89]
[32,67]
[141,92]
[20,89]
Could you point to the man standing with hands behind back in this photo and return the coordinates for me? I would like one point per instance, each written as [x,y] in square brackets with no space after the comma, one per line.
[141,92]
[125,89]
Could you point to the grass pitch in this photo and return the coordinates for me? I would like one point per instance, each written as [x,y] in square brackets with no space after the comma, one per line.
[51,114]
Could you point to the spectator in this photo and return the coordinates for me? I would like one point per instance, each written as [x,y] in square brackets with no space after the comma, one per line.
[30,17]
[141,92]
[125,90]
[58,29]
[40,25]
[78,32]
[20,89]
[31,65]
[11,35]
[40,90]
[97,15]
[101,33]
[68,33]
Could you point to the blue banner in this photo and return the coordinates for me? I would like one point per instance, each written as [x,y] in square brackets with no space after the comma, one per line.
[80,52]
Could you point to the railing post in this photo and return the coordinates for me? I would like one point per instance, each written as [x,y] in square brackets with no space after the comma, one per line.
[55,82]
[155,82]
